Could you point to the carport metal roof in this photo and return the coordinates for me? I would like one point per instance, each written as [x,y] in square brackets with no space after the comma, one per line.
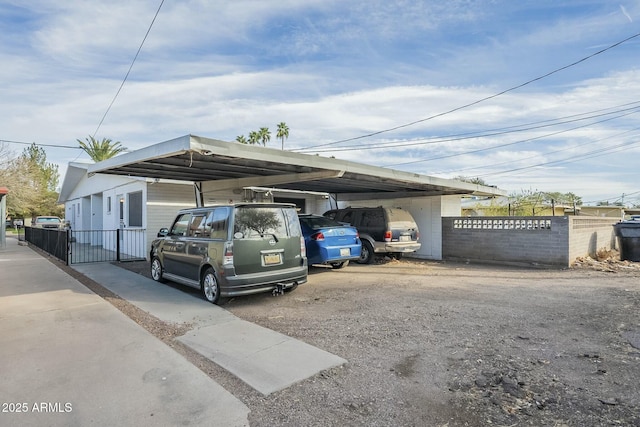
[232,166]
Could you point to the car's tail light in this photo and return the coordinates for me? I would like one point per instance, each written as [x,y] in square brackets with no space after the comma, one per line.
[417,235]
[387,236]
[318,237]
[228,254]
[303,248]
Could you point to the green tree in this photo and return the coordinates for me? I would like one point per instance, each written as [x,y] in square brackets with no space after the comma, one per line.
[265,135]
[254,138]
[32,184]
[101,150]
[241,139]
[283,132]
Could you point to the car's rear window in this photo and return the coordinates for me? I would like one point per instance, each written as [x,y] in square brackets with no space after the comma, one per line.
[256,222]
[316,222]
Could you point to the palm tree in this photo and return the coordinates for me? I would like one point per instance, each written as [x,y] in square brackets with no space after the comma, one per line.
[265,135]
[241,139]
[283,132]
[254,137]
[101,150]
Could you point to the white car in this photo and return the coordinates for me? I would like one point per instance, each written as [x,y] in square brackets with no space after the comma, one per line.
[47,222]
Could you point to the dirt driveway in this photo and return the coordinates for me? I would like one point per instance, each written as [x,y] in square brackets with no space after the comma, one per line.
[440,344]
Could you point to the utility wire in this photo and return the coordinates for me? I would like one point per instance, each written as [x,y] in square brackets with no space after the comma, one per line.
[482,134]
[38,144]
[583,156]
[634,111]
[129,71]
[538,155]
[482,99]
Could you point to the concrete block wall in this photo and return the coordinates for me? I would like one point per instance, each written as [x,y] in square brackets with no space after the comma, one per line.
[536,241]
[588,235]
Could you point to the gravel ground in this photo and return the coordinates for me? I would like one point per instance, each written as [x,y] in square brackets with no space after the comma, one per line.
[443,344]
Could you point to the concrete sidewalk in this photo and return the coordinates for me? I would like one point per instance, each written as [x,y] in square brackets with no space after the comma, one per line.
[264,359]
[70,358]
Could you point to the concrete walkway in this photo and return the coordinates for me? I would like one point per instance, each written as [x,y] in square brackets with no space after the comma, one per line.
[68,357]
[264,359]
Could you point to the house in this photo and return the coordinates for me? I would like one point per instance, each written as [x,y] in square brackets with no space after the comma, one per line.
[142,190]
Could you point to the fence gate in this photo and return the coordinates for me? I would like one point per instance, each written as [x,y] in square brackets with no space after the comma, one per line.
[106,245]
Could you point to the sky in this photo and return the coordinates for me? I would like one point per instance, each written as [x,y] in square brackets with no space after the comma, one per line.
[529,95]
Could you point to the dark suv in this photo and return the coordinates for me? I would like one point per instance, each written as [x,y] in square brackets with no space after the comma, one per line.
[382,230]
[232,250]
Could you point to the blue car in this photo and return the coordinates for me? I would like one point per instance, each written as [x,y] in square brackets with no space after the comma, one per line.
[328,241]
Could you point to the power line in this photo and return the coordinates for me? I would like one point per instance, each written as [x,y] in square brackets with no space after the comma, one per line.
[481,134]
[129,71]
[566,160]
[482,99]
[634,111]
[38,144]
[583,156]
[537,156]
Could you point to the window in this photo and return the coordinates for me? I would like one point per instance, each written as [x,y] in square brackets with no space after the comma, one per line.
[198,227]
[253,223]
[109,204]
[181,225]
[135,209]
[217,223]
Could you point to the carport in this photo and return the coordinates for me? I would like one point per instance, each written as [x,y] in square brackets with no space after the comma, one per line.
[232,166]
[221,171]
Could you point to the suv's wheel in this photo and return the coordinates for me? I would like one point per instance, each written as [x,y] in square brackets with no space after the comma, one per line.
[338,265]
[156,269]
[366,255]
[209,286]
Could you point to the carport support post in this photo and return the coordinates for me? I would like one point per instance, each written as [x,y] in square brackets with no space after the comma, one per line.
[197,188]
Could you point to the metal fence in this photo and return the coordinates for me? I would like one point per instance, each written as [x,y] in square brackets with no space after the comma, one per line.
[83,246]
[53,242]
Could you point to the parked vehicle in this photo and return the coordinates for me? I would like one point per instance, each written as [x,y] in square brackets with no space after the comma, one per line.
[329,242]
[391,231]
[47,222]
[232,250]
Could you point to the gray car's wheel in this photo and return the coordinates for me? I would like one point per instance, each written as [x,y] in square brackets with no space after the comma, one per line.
[339,265]
[209,286]
[156,270]
[366,255]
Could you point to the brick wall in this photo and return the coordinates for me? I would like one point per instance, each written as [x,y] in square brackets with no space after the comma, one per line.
[550,241]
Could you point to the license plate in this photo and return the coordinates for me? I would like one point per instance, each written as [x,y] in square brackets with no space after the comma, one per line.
[404,238]
[272,259]
[345,252]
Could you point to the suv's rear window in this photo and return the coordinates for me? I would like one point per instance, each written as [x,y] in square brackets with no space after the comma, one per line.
[256,222]
[398,215]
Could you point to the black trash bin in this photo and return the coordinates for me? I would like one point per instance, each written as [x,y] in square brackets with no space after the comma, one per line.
[628,234]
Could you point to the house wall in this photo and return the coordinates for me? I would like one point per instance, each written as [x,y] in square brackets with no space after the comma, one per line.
[163,202]
[539,241]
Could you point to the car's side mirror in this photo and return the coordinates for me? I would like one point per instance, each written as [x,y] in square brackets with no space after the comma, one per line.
[163,232]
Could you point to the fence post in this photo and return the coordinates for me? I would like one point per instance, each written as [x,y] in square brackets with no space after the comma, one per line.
[66,258]
[118,244]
